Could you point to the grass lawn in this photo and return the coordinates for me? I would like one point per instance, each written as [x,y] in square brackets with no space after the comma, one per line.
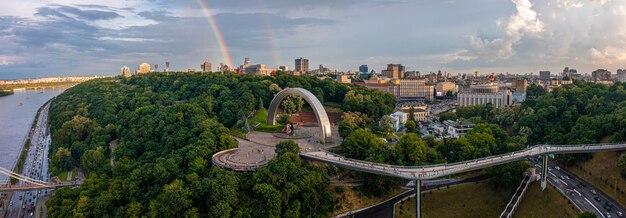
[237,132]
[261,118]
[468,200]
[548,203]
[351,199]
[62,175]
[74,173]
[603,173]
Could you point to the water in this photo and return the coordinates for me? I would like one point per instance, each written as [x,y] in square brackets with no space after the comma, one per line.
[17,113]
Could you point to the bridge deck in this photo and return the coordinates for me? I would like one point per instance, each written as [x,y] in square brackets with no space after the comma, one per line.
[435,171]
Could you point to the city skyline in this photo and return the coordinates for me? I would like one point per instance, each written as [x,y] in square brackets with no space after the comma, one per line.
[71,37]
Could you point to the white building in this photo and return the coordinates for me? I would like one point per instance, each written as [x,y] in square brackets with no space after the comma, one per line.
[125,71]
[458,128]
[399,118]
[143,69]
[621,75]
[483,94]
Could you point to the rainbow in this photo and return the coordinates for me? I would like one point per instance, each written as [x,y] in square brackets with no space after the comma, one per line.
[218,34]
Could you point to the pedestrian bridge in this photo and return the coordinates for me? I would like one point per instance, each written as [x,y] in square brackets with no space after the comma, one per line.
[440,170]
[29,183]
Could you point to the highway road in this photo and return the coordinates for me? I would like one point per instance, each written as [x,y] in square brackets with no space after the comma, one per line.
[580,192]
[35,166]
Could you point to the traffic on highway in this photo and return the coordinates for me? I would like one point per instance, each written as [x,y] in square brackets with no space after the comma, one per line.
[581,193]
[24,203]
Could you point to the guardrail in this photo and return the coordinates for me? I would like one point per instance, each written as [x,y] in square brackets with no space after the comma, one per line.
[246,166]
[516,199]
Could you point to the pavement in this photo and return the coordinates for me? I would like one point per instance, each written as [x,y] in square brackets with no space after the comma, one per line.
[579,191]
[258,149]
[36,167]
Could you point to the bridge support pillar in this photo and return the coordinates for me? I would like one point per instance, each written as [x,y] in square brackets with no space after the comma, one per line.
[544,172]
[418,195]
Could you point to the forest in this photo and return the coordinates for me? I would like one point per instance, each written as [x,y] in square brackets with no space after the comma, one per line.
[145,144]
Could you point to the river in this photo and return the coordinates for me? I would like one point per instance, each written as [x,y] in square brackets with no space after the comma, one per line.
[17,112]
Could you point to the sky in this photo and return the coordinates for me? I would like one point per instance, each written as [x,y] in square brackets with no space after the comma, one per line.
[42,38]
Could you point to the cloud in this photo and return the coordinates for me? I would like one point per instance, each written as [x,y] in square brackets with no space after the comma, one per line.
[606,56]
[525,21]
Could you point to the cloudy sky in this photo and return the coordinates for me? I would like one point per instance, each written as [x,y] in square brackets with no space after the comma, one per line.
[40,38]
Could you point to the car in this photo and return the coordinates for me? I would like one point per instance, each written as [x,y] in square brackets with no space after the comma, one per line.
[579,185]
[567,177]
[607,208]
[608,203]
[557,168]
[593,192]
[11,204]
[607,214]
[619,214]
[598,199]
[583,184]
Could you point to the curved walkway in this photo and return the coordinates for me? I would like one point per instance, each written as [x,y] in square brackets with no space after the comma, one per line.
[258,149]
[435,171]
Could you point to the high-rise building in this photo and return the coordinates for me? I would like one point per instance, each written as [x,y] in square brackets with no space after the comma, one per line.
[411,89]
[302,65]
[484,94]
[544,75]
[393,71]
[206,67]
[363,69]
[601,75]
[621,75]
[125,71]
[143,69]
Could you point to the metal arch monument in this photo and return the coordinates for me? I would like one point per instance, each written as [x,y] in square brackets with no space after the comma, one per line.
[318,109]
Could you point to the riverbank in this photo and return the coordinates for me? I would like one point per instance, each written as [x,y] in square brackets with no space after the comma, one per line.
[5,93]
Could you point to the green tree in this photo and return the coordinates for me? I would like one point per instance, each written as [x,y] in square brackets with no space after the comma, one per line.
[274,88]
[93,160]
[292,104]
[62,159]
[411,149]
[385,124]
[410,125]
[411,113]
[283,119]
[351,121]
[287,146]
[173,201]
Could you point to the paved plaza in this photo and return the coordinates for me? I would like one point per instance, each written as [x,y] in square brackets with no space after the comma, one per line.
[258,149]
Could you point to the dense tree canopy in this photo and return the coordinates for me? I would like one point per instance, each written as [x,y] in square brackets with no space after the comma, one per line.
[146,142]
